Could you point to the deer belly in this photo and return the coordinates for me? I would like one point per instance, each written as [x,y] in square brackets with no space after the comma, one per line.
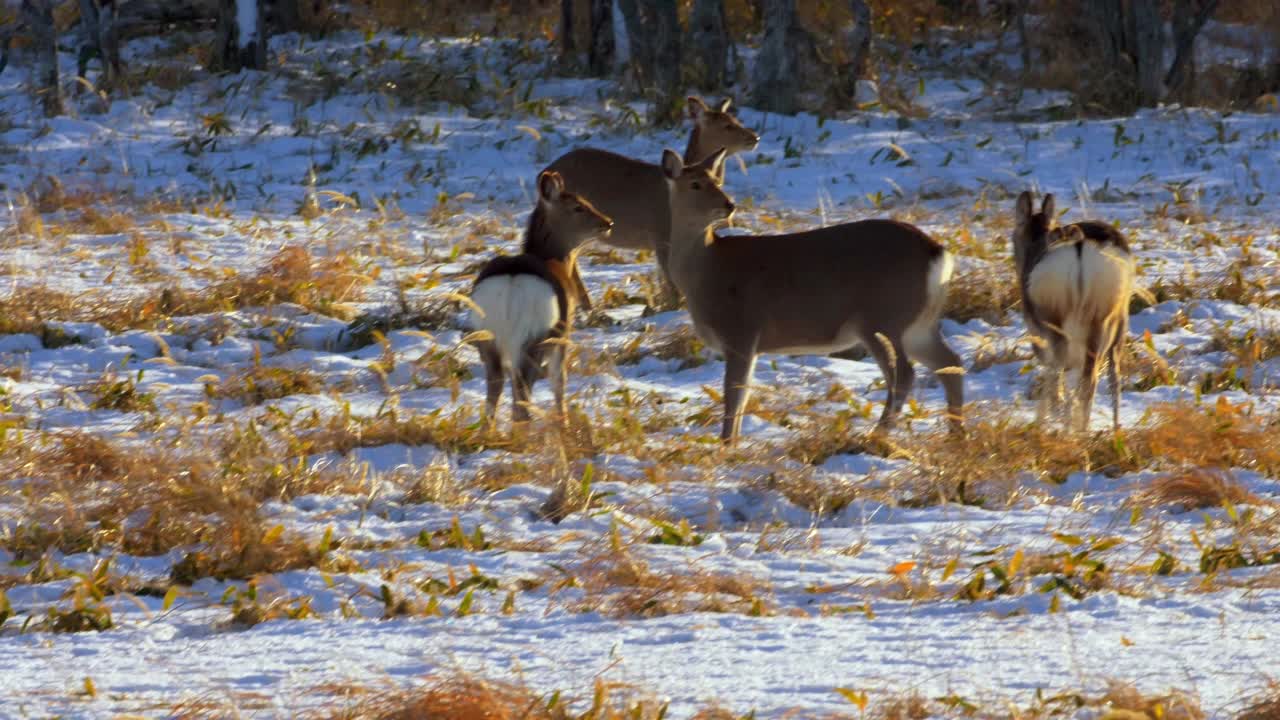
[784,343]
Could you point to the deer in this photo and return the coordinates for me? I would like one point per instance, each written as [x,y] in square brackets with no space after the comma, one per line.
[880,284]
[525,302]
[1075,283]
[629,191]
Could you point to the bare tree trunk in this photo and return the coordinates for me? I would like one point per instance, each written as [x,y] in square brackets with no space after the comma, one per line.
[653,31]
[708,41]
[6,38]
[668,62]
[100,36]
[1107,21]
[640,39]
[284,16]
[568,49]
[858,40]
[241,38]
[777,71]
[1024,38]
[1146,46]
[600,53]
[38,16]
[1186,26]
[1129,52]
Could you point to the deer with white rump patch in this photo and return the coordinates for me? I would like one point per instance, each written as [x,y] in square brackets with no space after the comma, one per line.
[1076,282]
[876,283]
[525,301]
[632,192]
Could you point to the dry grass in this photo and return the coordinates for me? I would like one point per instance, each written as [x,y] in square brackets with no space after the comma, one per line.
[262,383]
[1195,489]
[322,285]
[1126,702]
[458,432]
[819,494]
[679,344]
[987,296]
[90,493]
[992,462]
[462,696]
[1265,705]
[619,585]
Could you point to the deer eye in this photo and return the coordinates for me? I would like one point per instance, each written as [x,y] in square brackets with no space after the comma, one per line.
[579,209]
[696,185]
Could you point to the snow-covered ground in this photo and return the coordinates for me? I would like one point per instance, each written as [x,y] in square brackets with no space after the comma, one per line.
[768,600]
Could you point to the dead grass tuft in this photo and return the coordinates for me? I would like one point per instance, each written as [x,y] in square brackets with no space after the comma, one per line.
[1195,489]
[1126,702]
[619,585]
[1265,705]
[679,344]
[992,462]
[466,697]
[987,296]
[262,383]
[90,493]
[322,285]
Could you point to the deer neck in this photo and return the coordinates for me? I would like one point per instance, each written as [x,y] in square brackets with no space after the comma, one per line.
[541,240]
[688,256]
[695,153]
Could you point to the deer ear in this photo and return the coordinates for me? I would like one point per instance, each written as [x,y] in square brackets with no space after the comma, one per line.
[672,165]
[724,105]
[696,106]
[1047,209]
[1023,208]
[716,161]
[550,185]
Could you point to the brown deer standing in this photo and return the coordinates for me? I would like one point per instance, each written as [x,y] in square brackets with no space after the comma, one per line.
[631,192]
[525,301]
[876,283]
[1075,283]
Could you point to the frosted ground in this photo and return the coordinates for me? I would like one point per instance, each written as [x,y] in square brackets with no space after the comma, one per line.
[787,568]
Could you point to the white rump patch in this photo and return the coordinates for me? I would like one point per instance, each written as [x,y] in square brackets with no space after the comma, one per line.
[1082,287]
[518,310]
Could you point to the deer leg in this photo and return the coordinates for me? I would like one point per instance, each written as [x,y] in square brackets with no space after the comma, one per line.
[559,372]
[493,378]
[739,364]
[1113,371]
[523,378]
[1089,377]
[668,296]
[883,356]
[936,355]
[904,378]
[580,288]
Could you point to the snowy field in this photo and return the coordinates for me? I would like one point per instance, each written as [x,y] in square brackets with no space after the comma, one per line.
[224,494]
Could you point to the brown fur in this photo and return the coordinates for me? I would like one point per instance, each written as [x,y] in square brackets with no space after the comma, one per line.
[634,193]
[1064,305]
[823,291]
[558,226]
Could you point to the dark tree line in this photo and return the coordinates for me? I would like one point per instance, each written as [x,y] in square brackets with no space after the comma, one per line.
[104,22]
[1123,44]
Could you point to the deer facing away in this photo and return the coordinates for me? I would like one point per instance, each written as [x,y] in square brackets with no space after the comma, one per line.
[1075,283]
[525,301]
[633,193]
[877,283]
